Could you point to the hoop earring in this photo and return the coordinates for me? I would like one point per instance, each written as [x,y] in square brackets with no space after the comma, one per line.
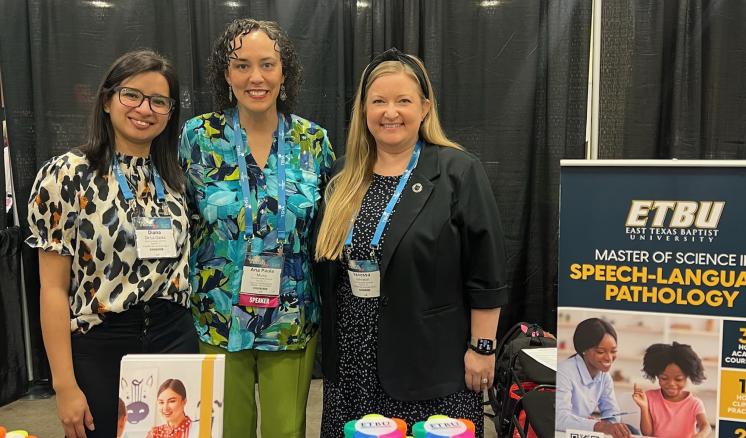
[283,94]
[230,94]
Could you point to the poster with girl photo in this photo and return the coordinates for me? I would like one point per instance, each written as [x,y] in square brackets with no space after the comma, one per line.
[653,374]
[171,396]
[651,299]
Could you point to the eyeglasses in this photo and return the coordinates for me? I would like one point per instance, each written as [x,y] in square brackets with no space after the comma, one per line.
[132,97]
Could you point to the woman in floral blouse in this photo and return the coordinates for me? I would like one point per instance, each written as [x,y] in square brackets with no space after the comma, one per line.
[255,174]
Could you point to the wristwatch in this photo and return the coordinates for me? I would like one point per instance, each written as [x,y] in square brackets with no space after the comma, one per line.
[482,346]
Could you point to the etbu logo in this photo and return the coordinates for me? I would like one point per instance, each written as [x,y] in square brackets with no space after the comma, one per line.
[368,424]
[683,214]
[447,426]
[571,433]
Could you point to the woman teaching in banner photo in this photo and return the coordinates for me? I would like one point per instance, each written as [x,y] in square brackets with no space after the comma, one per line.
[255,174]
[584,385]
[411,261]
[110,222]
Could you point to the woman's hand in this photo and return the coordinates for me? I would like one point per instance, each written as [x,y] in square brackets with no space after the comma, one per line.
[616,430]
[639,397]
[478,367]
[72,408]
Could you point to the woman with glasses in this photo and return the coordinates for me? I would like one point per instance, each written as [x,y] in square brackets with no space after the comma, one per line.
[255,174]
[412,261]
[110,223]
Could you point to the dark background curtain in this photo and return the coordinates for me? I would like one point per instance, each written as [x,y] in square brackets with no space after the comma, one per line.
[13,372]
[673,79]
[510,77]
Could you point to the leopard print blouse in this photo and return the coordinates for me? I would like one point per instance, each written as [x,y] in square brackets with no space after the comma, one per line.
[76,213]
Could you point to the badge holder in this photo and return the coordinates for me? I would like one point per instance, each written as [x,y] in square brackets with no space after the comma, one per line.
[365,277]
[154,237]
[261,279]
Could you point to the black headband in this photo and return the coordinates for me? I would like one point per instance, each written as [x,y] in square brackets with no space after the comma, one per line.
[393,54]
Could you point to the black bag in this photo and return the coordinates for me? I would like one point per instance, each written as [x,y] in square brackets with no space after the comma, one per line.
[512,381]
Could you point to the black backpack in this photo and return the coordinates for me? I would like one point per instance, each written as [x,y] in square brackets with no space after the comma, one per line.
[511,381]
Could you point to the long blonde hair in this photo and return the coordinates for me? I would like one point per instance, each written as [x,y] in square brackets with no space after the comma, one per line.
[344,193]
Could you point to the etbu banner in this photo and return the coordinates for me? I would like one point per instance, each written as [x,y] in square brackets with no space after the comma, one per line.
[652,298]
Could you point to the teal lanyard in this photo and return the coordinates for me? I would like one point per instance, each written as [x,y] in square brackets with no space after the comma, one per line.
[241,150]
[125,187]
[391,204]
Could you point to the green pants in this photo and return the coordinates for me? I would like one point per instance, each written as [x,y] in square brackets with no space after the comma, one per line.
[283,377]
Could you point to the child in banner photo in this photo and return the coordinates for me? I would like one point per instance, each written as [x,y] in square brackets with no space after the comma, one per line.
[671,411]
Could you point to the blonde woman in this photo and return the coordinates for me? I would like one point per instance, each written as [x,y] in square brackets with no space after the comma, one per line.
[410,261]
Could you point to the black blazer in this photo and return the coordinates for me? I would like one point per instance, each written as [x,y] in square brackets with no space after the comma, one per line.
[443,255]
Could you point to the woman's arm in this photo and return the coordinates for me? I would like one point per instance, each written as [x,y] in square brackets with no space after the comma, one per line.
[483,261]
[569,400]
[703,426]
[607,404]
[72,406]
[478,366]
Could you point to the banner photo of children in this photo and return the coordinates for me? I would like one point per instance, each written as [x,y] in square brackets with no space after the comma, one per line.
[651,299]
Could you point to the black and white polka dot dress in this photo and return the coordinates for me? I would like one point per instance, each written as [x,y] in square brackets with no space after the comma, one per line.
[358,391]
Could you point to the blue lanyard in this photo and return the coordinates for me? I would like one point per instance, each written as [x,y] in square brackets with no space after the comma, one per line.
[392,202]
[241,150]
[125,187]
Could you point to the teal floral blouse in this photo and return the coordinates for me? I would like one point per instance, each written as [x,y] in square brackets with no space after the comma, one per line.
[214,195]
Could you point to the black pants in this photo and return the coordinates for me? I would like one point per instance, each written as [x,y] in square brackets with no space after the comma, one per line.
[157,326]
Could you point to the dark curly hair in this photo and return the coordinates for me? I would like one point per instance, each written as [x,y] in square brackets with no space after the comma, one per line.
[223,48]
[590,332]
[659,356]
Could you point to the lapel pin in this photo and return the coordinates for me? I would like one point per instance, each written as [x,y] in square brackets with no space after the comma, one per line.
[417,187]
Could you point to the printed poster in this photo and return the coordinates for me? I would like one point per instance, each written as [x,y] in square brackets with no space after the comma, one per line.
[174,395]
[652,298]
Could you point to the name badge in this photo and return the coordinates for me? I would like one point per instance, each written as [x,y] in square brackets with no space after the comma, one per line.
[365,278]
[154,237]
[260,283]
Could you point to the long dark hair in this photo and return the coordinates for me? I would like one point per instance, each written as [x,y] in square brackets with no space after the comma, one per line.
[223,48]
[99,146]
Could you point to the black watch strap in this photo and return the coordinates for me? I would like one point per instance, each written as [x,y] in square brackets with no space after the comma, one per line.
[483,346]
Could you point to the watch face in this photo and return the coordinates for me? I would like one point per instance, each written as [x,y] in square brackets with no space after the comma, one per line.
[484,344]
